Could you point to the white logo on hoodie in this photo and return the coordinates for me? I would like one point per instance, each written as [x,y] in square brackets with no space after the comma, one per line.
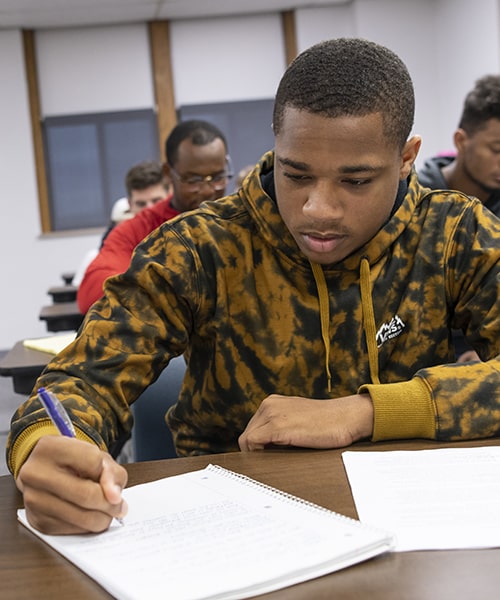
[390,330]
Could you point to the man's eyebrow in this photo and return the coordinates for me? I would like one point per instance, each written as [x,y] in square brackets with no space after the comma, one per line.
[360,169]
[347,169]
[288,162]
[197,174]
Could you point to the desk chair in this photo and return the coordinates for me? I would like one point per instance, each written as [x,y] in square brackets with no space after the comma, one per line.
[151,438]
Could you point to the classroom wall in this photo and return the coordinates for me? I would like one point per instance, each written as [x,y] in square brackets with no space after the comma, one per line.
[446,44]
[94,69]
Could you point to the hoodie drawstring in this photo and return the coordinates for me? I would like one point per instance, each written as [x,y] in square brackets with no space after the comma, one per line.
[368,318]
[367,312]
[324,315]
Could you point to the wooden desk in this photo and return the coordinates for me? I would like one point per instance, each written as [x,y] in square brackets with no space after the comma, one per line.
[30,569]
[63,293]
[24,365]
[61,316]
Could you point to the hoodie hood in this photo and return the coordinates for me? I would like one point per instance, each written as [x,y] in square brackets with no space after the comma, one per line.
[257,194]
[259,198]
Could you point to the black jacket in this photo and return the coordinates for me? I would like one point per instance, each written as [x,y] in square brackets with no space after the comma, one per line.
[431,176]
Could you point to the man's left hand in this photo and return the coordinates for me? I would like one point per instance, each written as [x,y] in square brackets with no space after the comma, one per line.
[309,423]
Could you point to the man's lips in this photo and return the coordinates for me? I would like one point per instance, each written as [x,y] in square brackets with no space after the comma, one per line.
[322,243]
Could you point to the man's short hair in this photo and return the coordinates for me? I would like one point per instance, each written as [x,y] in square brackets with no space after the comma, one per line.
[143,175]
[199,132]
[349,77]
[481,104]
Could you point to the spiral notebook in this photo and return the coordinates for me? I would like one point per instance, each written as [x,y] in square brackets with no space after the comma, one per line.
[215,533]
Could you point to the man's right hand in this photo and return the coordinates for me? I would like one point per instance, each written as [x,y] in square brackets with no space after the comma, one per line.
[71,486]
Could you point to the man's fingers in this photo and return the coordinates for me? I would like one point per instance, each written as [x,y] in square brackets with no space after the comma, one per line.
[247,445]
[51,514]
[112,481]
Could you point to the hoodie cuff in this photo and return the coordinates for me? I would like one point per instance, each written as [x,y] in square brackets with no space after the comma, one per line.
[403,410]
[27,440]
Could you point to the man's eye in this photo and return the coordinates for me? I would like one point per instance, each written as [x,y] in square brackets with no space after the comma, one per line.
[357,182]
[297,177]
[194,180]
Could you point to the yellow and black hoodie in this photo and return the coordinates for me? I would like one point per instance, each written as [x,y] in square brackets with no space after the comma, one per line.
[227,286]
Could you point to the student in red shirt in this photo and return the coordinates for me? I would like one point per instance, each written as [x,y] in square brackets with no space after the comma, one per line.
[198,167]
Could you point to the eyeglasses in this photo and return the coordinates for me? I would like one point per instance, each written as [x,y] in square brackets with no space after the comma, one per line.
[195,182]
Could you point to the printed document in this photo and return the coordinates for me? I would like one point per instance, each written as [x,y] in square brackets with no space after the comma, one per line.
[430,499]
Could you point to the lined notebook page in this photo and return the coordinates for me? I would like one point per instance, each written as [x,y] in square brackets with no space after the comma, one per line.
[53,344]
[216,534]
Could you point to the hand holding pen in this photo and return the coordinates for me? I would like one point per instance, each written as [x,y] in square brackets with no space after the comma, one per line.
[70,485]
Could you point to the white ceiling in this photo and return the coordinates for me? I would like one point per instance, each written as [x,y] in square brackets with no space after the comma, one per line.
[40,14]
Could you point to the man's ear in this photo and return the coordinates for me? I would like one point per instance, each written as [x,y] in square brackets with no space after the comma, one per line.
[459,139]
[166,171]
[409,155]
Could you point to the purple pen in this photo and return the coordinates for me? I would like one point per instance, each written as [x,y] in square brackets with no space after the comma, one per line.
[56,412]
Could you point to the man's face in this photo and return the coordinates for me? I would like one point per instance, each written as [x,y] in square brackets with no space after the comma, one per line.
[480,155]
[141,199]
[336,180]
[193,164]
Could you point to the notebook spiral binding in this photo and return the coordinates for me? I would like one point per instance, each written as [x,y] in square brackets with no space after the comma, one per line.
[289,497]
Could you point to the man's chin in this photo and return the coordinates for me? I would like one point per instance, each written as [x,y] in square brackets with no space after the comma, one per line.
[322,258]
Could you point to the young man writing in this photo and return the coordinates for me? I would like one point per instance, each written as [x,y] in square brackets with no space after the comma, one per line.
[314,306]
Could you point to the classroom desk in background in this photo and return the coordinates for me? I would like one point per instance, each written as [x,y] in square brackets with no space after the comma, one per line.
[30,569]
[68,277]
[61,316]
[24,365]
[63,293]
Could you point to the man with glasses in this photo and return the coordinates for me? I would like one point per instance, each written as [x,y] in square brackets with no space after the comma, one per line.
[199,167]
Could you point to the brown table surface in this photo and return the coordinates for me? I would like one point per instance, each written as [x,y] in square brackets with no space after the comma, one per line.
[31,569]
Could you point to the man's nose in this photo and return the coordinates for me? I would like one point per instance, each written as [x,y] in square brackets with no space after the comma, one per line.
[207,191]
[324,202]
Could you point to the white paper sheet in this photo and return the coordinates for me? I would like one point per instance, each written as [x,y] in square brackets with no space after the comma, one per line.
[430,499]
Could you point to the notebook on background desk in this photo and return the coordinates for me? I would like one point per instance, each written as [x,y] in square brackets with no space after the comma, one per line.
[52,344]
[214,533]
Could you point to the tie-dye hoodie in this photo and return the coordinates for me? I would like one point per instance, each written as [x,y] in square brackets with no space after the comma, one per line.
[227,286]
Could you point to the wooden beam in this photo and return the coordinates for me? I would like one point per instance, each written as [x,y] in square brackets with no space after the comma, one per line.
[289,35]
[159,40]
[36,127]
